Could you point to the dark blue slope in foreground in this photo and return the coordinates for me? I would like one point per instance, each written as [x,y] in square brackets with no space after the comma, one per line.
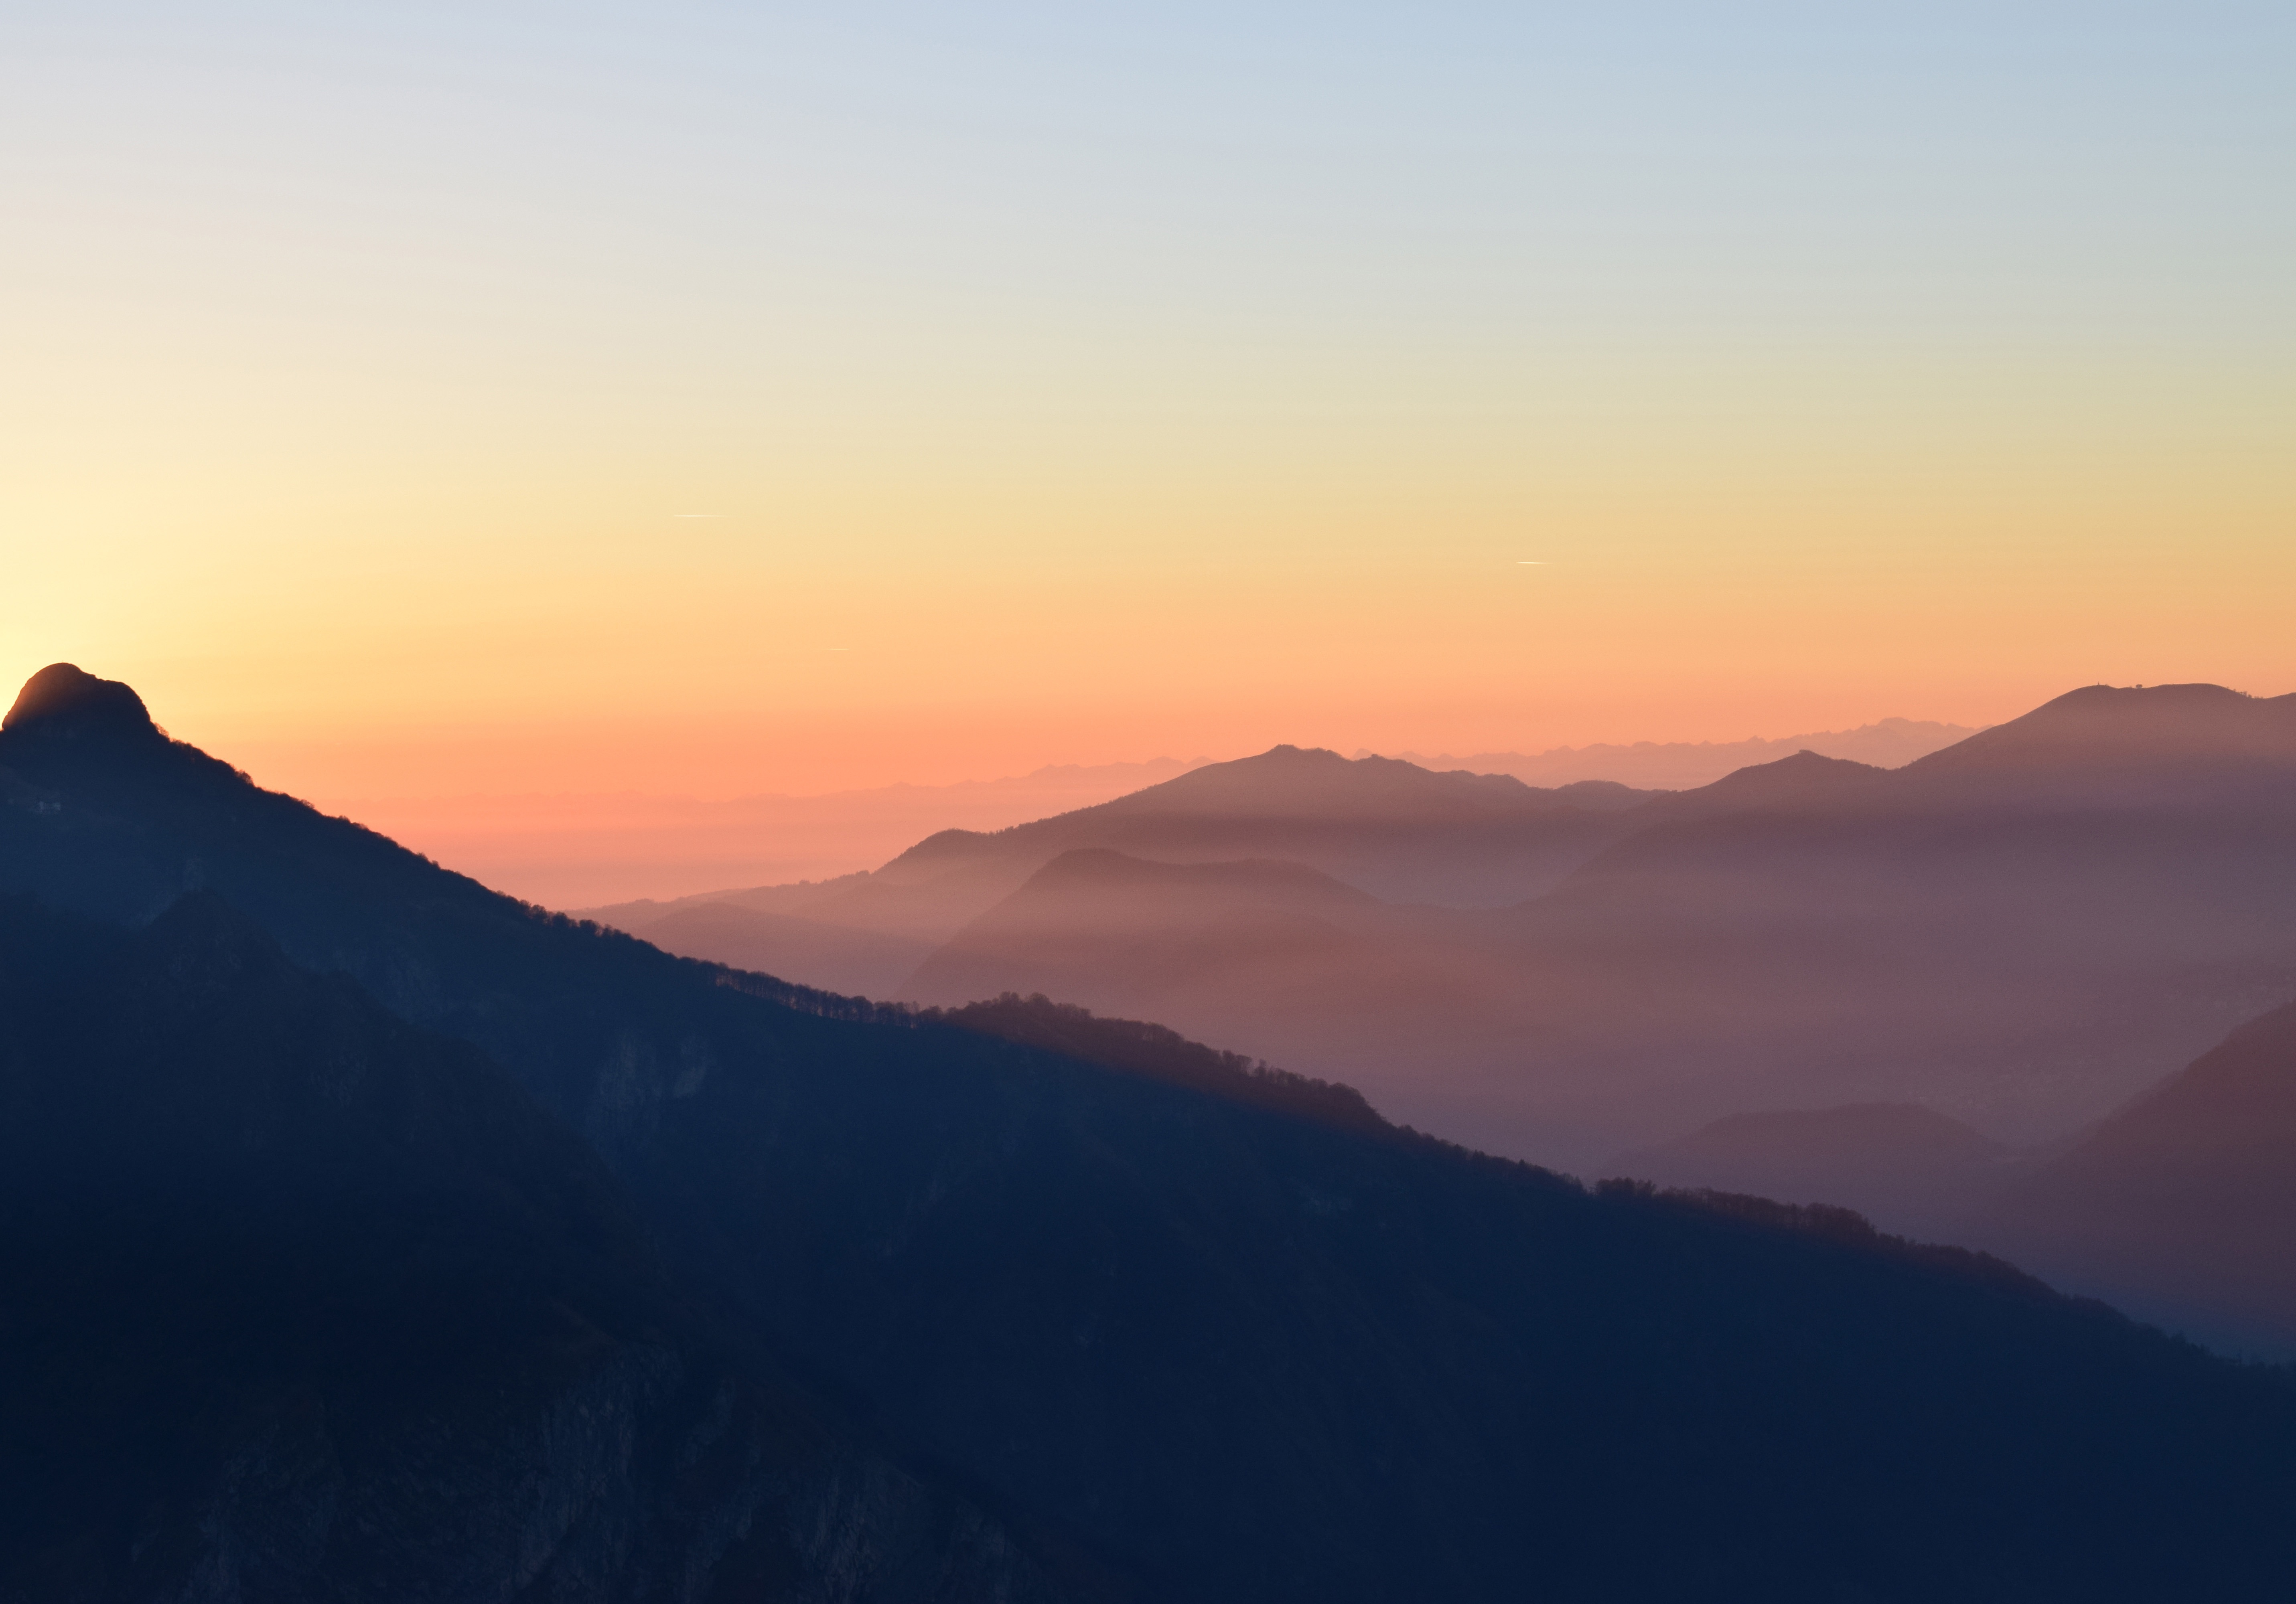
[1229,1351]
[302,1302]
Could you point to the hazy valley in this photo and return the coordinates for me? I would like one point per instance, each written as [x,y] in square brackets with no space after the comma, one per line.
[1896,990]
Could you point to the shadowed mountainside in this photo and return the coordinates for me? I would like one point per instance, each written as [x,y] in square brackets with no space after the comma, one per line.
[1235,1353]
[305,1302]
[2183,1203]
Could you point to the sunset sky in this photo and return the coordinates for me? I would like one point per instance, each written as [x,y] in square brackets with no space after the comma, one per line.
[425,399]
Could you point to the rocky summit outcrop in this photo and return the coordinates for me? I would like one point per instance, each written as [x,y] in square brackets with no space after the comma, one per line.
[62,700]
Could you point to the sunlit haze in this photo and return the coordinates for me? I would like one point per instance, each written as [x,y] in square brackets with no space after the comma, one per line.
[1134,804]
[708,399]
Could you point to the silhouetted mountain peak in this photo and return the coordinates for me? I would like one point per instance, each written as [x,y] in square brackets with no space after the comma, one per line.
[945,845]
[1284,789]
[2114,724]
[1316,782]
[1803,778]
[1601,795]
[66,701]
[1804,768]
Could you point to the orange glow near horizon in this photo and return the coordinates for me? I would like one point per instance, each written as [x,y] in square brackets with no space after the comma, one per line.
[415,404]
[789,647]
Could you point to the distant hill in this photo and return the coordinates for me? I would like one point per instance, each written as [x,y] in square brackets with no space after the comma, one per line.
[2183,1203]
[2159,746]
[1803,783]
[1222,1348]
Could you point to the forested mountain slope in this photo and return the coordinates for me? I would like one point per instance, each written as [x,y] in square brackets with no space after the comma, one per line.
[304,1303]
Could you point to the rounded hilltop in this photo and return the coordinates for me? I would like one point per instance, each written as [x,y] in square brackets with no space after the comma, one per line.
[67,700]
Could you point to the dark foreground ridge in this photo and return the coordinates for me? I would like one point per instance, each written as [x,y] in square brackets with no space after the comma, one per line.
[1143,1330]
[305,1302]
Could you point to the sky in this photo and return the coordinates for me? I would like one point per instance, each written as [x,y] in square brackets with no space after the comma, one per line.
[428,399]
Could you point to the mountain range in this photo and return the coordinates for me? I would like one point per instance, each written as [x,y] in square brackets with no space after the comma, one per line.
[1894,990]
[2018,932]
[566,850]
[1393,830]
[377,1186]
